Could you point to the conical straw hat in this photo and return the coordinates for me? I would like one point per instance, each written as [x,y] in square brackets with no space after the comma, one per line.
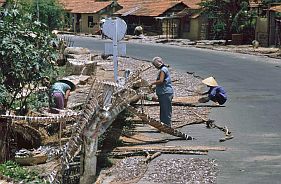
[210,81]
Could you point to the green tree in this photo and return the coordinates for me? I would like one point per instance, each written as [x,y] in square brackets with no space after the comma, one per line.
[49,12]
[26,54]
[228,16]
[244,22]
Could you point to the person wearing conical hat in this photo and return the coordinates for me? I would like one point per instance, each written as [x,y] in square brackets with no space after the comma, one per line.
[164,90]
[59,94]
[216,93]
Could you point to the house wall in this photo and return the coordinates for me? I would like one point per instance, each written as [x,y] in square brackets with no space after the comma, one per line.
[261,33]
[82,25]
[204,28]
[171,27]
[272,28]
[76,21]
[87,27]
[81,21]
[194,32]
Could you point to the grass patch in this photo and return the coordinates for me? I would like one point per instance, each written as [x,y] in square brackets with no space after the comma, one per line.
[20,174]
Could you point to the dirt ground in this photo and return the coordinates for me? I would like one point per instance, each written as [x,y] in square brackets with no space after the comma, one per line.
[129,167]
[135,169]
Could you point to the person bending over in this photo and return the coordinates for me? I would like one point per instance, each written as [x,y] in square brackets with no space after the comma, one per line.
[216,93]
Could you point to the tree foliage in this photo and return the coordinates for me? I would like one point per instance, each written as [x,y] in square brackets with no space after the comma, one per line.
[228,16]
[26,54]
[49,12]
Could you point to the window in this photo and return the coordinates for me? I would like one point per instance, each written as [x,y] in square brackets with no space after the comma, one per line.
[90,21]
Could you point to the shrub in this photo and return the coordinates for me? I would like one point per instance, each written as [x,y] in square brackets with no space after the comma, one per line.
[26,55]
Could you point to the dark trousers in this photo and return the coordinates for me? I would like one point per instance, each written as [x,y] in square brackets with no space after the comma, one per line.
[165,102]
[219,98]
[58,100]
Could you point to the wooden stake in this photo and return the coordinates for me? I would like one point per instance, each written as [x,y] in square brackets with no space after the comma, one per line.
[151,157]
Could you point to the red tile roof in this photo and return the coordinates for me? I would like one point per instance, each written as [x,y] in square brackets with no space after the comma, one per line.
[84,6]
[276,8]
[193,4]
[152,7]
[135,7]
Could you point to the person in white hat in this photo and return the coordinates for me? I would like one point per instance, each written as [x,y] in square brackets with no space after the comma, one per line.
[216,93]
[102,21]
[164,90]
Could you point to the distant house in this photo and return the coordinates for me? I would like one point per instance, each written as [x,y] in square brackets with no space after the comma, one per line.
[261,29]
[275,25]
[177,19]
[85,15]
[268,26]
[195,24]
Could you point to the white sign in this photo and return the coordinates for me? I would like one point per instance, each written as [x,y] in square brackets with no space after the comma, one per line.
[110,26]
[120,46]
[115,29]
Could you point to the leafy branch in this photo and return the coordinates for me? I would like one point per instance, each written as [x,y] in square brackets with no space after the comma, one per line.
[26,56]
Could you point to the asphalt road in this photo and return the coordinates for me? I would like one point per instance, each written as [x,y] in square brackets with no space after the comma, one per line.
[252,112]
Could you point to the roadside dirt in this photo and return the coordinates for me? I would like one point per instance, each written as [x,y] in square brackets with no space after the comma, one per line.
[218,45]
[130,168]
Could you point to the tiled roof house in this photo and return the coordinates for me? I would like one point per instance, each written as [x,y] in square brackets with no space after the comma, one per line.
[276,8]
[86,14]
[275,25]
[180,18]
[168,17]
[151,8]
[268,24]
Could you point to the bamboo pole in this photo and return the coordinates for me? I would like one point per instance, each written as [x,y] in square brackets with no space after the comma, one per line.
[170,149]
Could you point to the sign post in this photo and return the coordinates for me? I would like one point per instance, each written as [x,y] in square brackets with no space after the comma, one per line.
[115,52]
[115,29]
